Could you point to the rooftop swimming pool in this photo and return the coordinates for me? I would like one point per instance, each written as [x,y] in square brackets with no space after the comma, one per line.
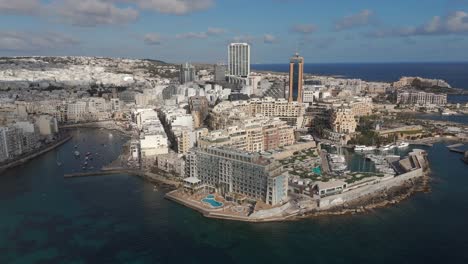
[210,199]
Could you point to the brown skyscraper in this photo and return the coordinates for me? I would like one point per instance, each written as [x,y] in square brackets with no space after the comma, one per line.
[296,75]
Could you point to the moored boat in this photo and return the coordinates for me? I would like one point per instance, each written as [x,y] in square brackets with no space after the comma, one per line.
[359,148]
[387,147]
[403,145]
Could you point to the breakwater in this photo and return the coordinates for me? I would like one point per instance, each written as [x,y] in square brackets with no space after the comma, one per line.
[154,178]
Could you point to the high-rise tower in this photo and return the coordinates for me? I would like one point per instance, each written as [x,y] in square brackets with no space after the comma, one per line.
[187,73]
[239,59]
[296,75]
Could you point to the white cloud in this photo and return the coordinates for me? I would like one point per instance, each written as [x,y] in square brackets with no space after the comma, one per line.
[455,23]
[215,31]
[20,7]
[177,7]
[269,39]
[27,41]
[152,39]
[243,38]
[360,19]
[192,35]
[304,28]
[202,35]
[89,13]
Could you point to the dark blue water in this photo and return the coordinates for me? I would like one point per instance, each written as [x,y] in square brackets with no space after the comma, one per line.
[122,219]
[455,73]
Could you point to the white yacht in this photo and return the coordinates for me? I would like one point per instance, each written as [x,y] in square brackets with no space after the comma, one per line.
[403,145]
[359,148]
[387,147]
[370,148]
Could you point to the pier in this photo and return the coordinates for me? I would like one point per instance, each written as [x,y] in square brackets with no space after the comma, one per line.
[455,148]
[145,175]
[95,173]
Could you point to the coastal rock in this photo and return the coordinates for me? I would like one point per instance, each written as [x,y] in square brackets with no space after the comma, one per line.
[420,83]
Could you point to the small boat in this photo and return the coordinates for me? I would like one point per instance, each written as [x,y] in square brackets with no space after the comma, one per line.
[76,146]
[88,153]
[403,145]
[58,160]
[359,148]
[387,147]
[76,153]
[370,148]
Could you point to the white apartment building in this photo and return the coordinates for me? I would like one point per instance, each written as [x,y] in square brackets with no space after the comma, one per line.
[47,125]
[77,111]
[153,138]
[239,59]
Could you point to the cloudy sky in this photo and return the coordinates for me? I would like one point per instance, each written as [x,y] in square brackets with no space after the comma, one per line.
[199,30]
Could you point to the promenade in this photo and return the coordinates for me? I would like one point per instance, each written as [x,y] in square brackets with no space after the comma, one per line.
[22,159]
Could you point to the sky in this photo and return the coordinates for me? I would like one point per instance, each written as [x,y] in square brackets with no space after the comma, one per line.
[199,30]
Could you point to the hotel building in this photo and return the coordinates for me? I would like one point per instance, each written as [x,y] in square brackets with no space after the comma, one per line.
[296,75]
[234,173]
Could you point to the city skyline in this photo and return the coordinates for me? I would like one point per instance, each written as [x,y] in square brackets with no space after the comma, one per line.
[199,30]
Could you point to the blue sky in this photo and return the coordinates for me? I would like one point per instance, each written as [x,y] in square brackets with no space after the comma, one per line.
[199,30]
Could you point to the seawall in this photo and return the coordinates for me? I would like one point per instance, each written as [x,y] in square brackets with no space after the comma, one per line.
[33,155]
[329,202]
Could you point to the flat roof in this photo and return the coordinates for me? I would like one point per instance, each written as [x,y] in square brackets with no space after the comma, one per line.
[330,184]
[192,180]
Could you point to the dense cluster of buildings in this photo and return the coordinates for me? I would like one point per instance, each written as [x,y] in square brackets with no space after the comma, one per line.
[153,138]
[220,128]
[23,137]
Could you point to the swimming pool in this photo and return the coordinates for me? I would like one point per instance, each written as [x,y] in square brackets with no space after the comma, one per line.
[210,199]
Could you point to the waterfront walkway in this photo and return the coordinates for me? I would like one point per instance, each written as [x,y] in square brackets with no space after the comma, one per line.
[146,175]
[21,160]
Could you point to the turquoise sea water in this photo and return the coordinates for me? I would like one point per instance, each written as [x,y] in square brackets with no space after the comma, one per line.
[45,218]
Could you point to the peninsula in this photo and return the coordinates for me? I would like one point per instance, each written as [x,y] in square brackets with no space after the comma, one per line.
[235,144]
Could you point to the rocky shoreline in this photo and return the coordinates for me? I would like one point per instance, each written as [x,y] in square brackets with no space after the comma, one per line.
[385,199]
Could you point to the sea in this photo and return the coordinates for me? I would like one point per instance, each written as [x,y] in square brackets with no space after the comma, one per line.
[455,73]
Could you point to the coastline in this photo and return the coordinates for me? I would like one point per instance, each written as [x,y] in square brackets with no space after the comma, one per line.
[362,205]
[397,194]
[31,156]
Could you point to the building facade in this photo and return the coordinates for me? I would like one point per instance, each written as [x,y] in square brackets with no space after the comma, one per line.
[187,73]
[233,172]
[296,78]
[421,98]
[220,73]
[239,59]
[343,121]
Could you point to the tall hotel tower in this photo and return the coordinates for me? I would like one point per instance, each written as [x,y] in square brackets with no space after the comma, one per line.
[296,74]
[239,59]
